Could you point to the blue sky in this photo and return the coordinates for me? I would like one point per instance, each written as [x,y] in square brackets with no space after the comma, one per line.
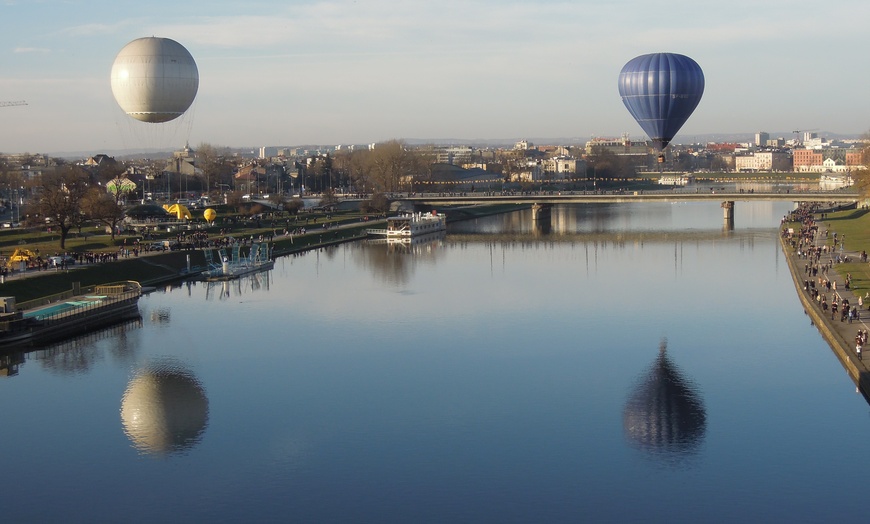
[361,71]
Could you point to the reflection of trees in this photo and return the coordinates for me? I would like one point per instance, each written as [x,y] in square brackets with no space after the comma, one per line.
[79,354]
[164,409]
[395,263]
[665,416]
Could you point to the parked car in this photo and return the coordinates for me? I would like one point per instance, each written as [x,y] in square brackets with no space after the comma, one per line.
[57,261]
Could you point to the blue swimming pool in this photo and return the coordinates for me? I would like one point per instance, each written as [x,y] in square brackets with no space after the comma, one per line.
[55,309]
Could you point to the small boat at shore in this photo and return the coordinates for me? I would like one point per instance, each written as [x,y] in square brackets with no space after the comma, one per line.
[67,314]
[232,265]
[414,224]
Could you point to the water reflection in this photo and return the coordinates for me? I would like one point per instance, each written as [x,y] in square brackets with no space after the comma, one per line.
[418,245]
[164,409]
[225,289]
[80,354]
[394,262]
[665,416]
[9,363]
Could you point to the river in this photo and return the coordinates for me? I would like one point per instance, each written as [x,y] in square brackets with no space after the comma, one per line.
[619,363]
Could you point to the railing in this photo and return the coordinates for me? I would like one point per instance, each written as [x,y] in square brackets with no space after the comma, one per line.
[113,289]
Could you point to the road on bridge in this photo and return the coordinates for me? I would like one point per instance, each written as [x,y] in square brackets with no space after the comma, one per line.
[584,197]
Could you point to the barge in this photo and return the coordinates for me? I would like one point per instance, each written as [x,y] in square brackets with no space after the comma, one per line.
[67,314]
[414,224]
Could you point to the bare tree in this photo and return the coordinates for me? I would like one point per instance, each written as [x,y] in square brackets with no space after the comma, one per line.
[60,196]
[103,206]
[861,175]
[217,171]
[393,166]
[356,167]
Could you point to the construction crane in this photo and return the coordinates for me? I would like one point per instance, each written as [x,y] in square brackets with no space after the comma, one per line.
[797,134]
[13,103]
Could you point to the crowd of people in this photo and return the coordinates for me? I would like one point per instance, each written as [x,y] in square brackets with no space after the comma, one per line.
[822,250]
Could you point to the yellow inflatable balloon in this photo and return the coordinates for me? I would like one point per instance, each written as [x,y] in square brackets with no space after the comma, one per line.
[209,215]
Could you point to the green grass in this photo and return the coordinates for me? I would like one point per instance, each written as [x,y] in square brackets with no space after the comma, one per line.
[855,225]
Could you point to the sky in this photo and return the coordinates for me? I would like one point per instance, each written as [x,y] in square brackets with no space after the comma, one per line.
[285,73]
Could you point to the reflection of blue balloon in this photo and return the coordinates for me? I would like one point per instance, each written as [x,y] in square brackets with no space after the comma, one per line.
[660,91]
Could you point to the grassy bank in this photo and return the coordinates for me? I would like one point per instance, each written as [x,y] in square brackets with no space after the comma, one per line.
[854,227]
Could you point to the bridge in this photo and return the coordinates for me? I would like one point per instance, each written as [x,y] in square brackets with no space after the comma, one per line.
[619,197]
[542,201]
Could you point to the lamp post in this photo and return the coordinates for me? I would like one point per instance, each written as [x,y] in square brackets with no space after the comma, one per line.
[18,206]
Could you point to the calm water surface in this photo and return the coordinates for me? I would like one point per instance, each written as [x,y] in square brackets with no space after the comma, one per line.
[621,363]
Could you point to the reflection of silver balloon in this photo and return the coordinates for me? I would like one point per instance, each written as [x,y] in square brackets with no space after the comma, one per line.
[164,409]
[665,413]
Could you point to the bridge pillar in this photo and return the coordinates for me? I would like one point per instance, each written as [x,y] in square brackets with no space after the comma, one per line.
[541,211]
[728,214]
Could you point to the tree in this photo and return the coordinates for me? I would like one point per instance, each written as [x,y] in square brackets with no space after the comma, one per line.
[378,203]
[393,166]
[60,195]
[235,200]
[861,175]
[217,171]
[606,164]
[104,207]
[328,198]
[356,167]
[294,205]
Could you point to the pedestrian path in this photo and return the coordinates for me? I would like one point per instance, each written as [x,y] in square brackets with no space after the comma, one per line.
[839,334]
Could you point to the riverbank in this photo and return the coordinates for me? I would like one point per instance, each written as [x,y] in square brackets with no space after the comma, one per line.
[156,267]
[839,334]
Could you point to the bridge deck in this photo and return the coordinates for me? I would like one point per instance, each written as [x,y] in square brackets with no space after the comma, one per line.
[580,197]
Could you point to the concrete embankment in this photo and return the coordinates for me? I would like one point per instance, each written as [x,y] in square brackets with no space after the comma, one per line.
[840,335]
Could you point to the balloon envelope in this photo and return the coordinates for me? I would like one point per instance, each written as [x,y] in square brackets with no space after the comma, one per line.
[661,90]
[154,79]
[209,215]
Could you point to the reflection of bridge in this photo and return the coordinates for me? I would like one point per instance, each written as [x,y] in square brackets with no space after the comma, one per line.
[606,237]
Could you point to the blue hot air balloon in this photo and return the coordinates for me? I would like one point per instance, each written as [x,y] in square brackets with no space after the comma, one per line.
[660,91]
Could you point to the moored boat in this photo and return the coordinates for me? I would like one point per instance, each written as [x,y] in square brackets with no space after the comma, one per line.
[67,314]
[413,224]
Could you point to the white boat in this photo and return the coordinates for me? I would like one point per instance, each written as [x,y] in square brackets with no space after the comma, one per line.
[413,224]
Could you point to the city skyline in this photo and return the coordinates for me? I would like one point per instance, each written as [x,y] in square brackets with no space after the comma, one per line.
[355,72]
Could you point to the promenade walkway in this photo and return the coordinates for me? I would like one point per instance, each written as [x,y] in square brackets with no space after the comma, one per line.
[839,334]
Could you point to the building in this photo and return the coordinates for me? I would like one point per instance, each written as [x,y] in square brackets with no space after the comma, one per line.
[622,146]
[762,161]
[564,167]
[761,139]
[825,160]
[454,155]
